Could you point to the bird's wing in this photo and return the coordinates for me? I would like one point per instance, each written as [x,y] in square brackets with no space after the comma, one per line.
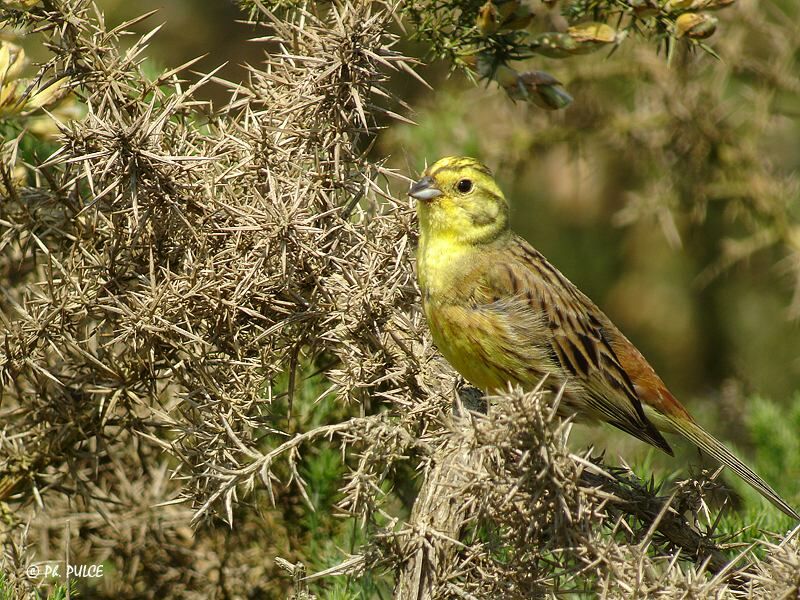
[616,380]
[583,339]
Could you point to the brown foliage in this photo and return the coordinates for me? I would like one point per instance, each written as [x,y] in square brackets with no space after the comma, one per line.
[166,276]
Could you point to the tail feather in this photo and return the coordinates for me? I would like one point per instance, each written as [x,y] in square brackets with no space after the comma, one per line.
[708,443]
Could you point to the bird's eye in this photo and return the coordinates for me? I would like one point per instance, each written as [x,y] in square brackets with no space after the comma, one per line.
[464,186]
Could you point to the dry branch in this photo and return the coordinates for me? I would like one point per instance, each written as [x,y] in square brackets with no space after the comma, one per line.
[171,275]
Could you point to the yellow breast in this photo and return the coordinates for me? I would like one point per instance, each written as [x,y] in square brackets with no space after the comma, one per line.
[482,344]
[484,347]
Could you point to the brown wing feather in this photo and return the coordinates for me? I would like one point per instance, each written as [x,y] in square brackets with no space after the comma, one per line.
[585,343]
[648,385]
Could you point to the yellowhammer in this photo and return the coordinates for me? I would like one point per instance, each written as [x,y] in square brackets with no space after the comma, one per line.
[501,314]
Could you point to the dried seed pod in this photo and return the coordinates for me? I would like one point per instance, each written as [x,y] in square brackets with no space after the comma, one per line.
[695,25]
[506,77]
[13,96]
[519,19]
[12,61]
[536,87]
[554,45]
[19,4]
[488,21]
[579,39]
[711,4]
[644,8]
[493,17]
[505,10]
[673,5]
[544,90]
[46,95]
[593,34]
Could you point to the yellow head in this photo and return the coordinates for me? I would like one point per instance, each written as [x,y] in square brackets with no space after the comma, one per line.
[458,199]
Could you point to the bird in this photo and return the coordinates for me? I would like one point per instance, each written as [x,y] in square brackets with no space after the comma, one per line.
[502,315]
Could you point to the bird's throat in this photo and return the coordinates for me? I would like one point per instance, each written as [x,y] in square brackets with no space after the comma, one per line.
[441,262]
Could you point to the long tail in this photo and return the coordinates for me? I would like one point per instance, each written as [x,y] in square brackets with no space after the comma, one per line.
[705,441]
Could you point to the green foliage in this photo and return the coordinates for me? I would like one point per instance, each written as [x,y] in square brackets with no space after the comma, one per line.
[319,533]
[772,429]
[5,592]
[57,592]
[484,38]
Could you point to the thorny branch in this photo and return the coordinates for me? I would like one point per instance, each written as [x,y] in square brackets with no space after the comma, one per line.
[173,272]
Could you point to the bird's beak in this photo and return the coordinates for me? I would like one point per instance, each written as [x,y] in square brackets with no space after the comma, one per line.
[425,189]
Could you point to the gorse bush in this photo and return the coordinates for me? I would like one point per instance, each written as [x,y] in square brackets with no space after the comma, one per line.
[216,380]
